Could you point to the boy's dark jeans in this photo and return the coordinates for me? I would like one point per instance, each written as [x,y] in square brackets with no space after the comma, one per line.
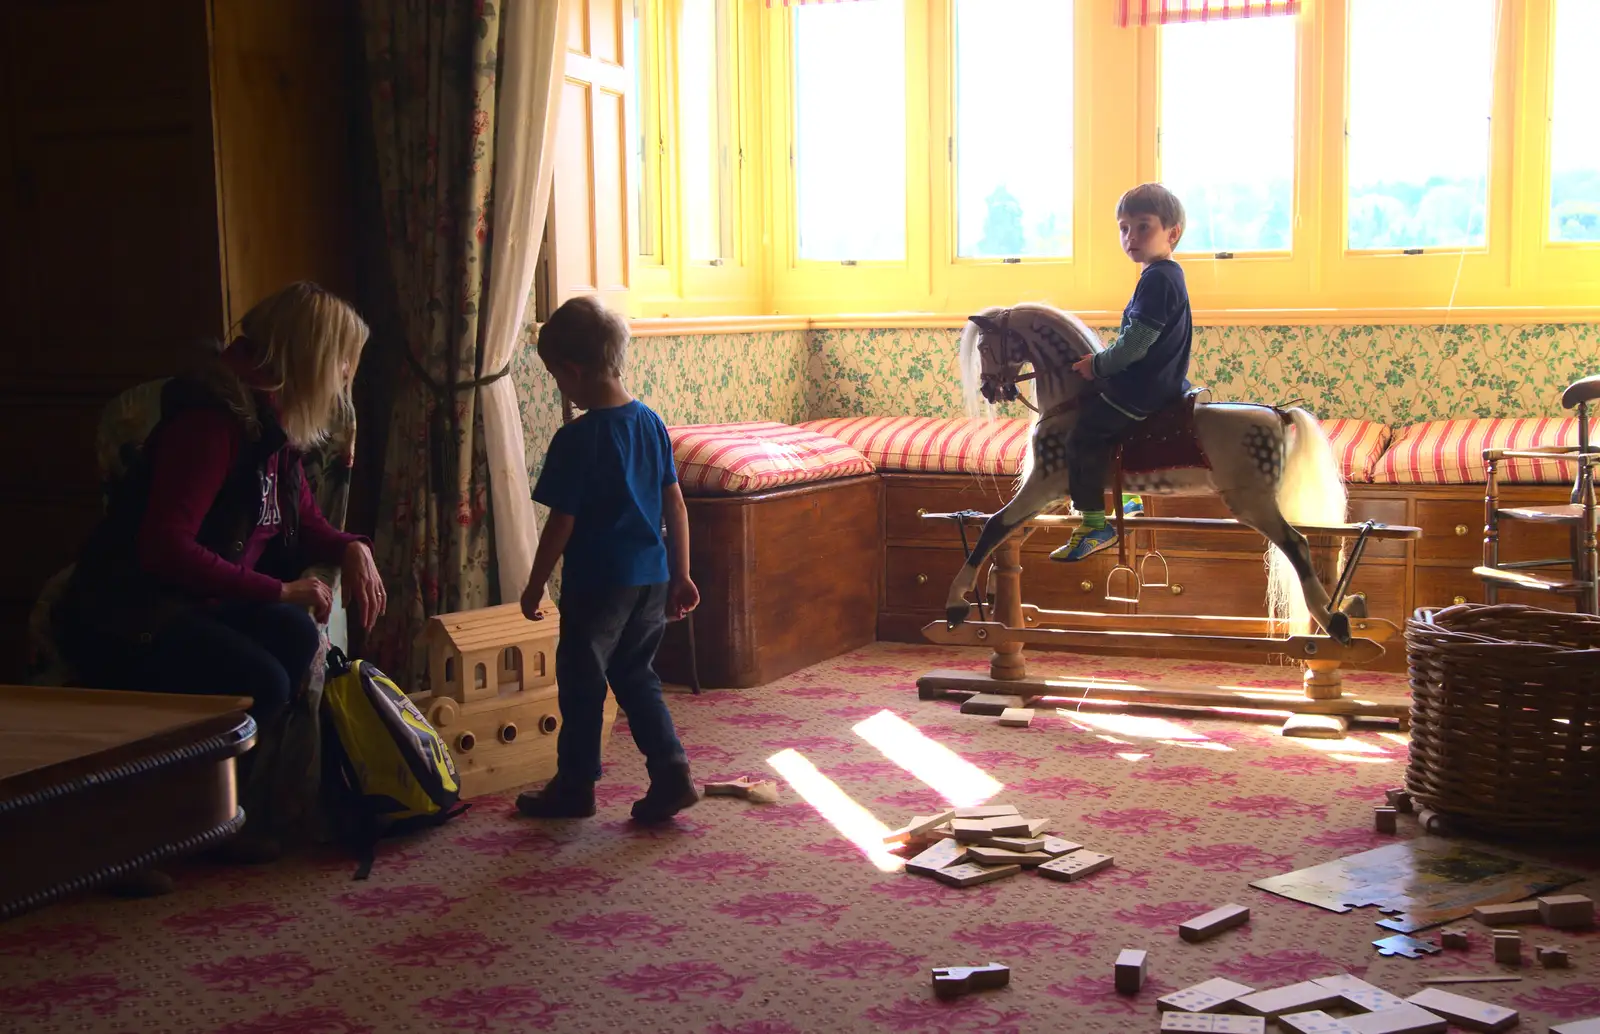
[1100,427]
[611,635]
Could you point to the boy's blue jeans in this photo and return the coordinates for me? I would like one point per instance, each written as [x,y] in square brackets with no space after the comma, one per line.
[1100,427]
[610,635]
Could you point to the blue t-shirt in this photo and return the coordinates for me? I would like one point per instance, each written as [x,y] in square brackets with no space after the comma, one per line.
[1160,376]
[607,469]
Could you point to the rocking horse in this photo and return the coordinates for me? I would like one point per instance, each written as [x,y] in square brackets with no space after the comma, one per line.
[1271,466]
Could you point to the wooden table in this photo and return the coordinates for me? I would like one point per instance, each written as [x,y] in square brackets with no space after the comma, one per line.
[97,784]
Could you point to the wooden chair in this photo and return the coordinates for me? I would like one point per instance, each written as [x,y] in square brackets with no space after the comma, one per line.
[1582,580]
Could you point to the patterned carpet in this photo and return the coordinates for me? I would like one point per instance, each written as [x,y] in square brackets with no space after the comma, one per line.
[751,919]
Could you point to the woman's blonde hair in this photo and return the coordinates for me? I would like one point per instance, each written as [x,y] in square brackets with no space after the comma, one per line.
[309,343]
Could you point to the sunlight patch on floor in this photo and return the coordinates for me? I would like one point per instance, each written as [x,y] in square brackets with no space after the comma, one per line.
[854,822]
[1146,727]
[955,778]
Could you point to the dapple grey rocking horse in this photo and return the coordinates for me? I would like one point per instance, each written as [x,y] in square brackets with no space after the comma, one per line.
[1272,467]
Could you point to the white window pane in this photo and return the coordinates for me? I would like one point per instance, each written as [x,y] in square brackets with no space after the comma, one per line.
[1227,131]
[1013,128]
[1421,87]
[1575,124]
[641,211]
[705,128]
[850,129]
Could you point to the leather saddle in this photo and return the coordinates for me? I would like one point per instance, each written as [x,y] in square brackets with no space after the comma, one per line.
[1165,440]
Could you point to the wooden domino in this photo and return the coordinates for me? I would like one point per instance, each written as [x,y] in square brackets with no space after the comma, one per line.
[986,811]
[1204,996]
[1129,972]
[950,981]
[1057,845]
[1454,937]
[1589,1026]
[1358,994]
[971,830]
[1403,1019]
[992,704]
[1313,1022]
[1383,820]
[1508,947]
[918,826]
[1074,866]
[1567,911]
[1017,716]
[1301,997]
[1551,957]
[1216,1022]
[1009,826]
[968,874]
[1463,1011]
[1205,927]
[1400,800]
[940,855]
[1003,856]
[1015,843]
[1508,914]
[1037,826]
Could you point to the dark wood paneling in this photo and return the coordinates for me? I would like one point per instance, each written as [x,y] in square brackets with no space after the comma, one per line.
[907,495]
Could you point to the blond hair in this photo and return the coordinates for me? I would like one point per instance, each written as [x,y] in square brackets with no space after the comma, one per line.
[584,332]
[309,342]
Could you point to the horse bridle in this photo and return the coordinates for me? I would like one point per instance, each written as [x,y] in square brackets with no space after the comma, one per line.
[1008,392]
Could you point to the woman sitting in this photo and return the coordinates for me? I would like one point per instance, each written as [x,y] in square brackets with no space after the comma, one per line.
[191,583]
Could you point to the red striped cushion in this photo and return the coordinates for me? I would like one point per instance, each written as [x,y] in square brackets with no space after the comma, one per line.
[1450,452]
[1358,444]
[738,459]
[932,445]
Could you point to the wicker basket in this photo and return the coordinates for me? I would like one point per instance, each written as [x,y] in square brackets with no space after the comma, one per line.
[1505,717]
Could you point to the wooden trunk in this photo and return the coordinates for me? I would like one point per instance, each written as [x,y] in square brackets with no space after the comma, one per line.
[787,579]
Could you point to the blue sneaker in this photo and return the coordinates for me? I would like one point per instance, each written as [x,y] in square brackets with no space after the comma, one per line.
[1131,505]
[1085,542]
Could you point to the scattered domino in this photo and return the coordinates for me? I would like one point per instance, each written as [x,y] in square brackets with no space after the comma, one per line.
[1210,1021]
[1057,845]
[1301,997]
[1205,927]
[939,855]
[1358,994]
[1203,996]
[1017,716]
[1383,820]
[968,874]
[1314,1022]
[1129,972]
[1508,947]
[950,981]
[1508,914]
[918,826]
[1400,800]
[1463,1011]
[1551,957]
[971,830]
[1074,866]
[1002,856]
[987,811]
[1567,911]
[1589,1026]
[1453,937]
[992,704]
[1015,843]
[1404,1019]
[1037,826]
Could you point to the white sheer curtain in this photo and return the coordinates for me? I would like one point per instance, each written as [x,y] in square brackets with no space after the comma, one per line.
[532,64]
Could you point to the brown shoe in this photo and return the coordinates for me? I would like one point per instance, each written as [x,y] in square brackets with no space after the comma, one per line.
[561,798]
[146,883]
[671,791]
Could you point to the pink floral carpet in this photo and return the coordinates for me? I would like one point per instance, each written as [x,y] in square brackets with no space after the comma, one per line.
[750,919]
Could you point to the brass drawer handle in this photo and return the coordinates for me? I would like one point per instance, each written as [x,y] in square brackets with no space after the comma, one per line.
[1086,586]
[1458,600]
[1461,529]
[1176,588]
[922,511]
[922,579]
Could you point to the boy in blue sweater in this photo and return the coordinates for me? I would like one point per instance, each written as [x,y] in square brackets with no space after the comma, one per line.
[1145,369]
[609,480]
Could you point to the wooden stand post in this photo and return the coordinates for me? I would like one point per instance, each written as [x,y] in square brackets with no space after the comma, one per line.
[1008,664]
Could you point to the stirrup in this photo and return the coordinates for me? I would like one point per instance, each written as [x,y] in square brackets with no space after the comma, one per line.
[1133,579]
[1166,571]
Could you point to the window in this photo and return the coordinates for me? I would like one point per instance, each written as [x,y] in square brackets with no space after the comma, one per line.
[706,136]
[644,154]
[1013,128]
[1226,141]
[1418,128]
[1574,127]
[850,130]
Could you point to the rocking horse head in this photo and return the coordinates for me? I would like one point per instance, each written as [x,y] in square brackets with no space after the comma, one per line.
[997,342]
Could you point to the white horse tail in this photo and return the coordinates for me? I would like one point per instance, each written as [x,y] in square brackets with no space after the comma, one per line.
[1310,491]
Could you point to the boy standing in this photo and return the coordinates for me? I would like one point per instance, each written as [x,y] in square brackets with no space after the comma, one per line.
[1145,369]
[608,480]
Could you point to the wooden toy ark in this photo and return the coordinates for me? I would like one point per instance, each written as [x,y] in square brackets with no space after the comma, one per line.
[492,694]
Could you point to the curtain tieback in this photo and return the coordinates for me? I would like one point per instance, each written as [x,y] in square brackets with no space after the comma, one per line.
[442,392]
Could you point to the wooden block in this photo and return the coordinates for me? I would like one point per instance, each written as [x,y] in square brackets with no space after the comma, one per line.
[732,788]
[1454,937]
[1508,947]
[1567,911]
[1301,997]
[1383,820]
[938,856]
[1009,826]
[1316,726]
[1507,914]
[1551,957]
[1400,800]
[1074,866]
[1463,1011]
[1404,1019]
[986,811]
[1471,978]
[1210,1021]
[950,981]
[1037,826]
[1203,997]
[968,874]
[1358,994]
[918,826]
[1017,716]
[1205,927]
[1056,845]
[971,831]
[1314,1022]
[1589,1026]
[1016,843]
[993,704]
[1129,972]
[1002,856]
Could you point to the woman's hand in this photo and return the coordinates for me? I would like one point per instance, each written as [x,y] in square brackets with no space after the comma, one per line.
[363,586]
[309,592]
[682,597]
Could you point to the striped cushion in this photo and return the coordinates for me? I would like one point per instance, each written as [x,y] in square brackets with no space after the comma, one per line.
[1358,444]
[1450,452]
[738,459]
[930,445]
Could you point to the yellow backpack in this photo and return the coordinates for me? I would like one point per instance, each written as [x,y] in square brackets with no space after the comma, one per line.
[386,769]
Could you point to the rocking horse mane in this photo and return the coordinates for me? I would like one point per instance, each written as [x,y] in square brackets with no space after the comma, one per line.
[971,363]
